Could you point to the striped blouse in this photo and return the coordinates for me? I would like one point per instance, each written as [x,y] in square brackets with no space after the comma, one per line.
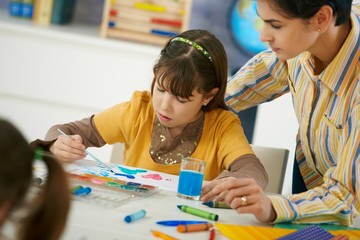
[327,107]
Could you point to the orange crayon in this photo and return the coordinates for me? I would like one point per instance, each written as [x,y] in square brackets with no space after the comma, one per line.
[194,227]
[162,235]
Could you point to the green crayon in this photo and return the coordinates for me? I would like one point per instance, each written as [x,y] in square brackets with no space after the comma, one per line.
[198,212]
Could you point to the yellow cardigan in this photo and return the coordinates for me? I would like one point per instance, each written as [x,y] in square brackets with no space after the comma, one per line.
[131,123]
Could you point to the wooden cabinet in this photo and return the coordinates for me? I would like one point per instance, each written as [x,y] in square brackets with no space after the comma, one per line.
[148,21]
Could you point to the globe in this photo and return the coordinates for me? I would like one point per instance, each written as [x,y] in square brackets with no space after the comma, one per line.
[246,25]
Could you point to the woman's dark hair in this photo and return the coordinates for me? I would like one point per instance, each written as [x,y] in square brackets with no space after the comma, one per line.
[49,209]
[305,9]
[184,68]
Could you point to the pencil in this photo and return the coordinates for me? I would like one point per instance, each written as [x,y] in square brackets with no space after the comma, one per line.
[162,235]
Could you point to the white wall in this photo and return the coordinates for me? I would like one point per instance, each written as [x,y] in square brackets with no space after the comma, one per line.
[48,76]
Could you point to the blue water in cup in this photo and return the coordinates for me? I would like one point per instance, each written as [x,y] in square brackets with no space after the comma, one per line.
[191,178]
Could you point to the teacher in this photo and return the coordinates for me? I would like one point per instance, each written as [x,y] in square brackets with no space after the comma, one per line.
[314,54]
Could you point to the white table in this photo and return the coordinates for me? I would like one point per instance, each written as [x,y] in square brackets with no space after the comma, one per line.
[89,221]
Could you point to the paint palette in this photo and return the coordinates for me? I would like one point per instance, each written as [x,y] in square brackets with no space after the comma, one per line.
[107,191]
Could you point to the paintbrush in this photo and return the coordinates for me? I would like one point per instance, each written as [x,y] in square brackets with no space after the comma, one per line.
[88,153]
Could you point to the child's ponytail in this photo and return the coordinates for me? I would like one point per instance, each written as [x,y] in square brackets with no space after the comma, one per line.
[50,208]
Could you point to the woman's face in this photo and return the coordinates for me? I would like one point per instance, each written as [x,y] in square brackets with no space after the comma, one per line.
[287,37]
[174,112]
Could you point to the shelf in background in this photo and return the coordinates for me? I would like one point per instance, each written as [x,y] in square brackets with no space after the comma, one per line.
[82,29]
[74,32]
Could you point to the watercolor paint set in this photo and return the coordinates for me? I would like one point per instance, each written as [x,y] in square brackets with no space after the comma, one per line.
[107,191]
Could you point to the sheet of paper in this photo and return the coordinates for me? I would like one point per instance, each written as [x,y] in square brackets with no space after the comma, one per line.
[158,179]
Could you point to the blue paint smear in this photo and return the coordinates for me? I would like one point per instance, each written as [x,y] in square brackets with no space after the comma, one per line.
[131,171]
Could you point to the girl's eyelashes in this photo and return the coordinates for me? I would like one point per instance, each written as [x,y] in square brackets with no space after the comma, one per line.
[182,100]
[160,89]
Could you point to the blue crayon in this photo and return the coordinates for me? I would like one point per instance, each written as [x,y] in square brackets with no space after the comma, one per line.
[135,216]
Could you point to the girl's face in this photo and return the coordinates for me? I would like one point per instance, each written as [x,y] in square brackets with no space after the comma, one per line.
[287,37]
[175,112]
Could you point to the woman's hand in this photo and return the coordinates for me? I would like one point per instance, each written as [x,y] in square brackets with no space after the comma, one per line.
[242,194]
[68,148]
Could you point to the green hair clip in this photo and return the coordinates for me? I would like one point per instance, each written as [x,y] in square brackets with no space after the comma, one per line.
[193,44]
[39,153]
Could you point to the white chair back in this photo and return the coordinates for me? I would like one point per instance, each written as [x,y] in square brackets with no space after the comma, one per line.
[275,162]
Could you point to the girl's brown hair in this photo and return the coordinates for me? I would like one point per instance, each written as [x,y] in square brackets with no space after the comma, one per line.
[185,68]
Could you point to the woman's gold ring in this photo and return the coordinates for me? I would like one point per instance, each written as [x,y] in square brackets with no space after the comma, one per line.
[243,201]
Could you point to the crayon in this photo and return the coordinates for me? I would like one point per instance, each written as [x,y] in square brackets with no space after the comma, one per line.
[162,235]
[194,227]
[135,216]
[213,204]
[198,212]
[212,233]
